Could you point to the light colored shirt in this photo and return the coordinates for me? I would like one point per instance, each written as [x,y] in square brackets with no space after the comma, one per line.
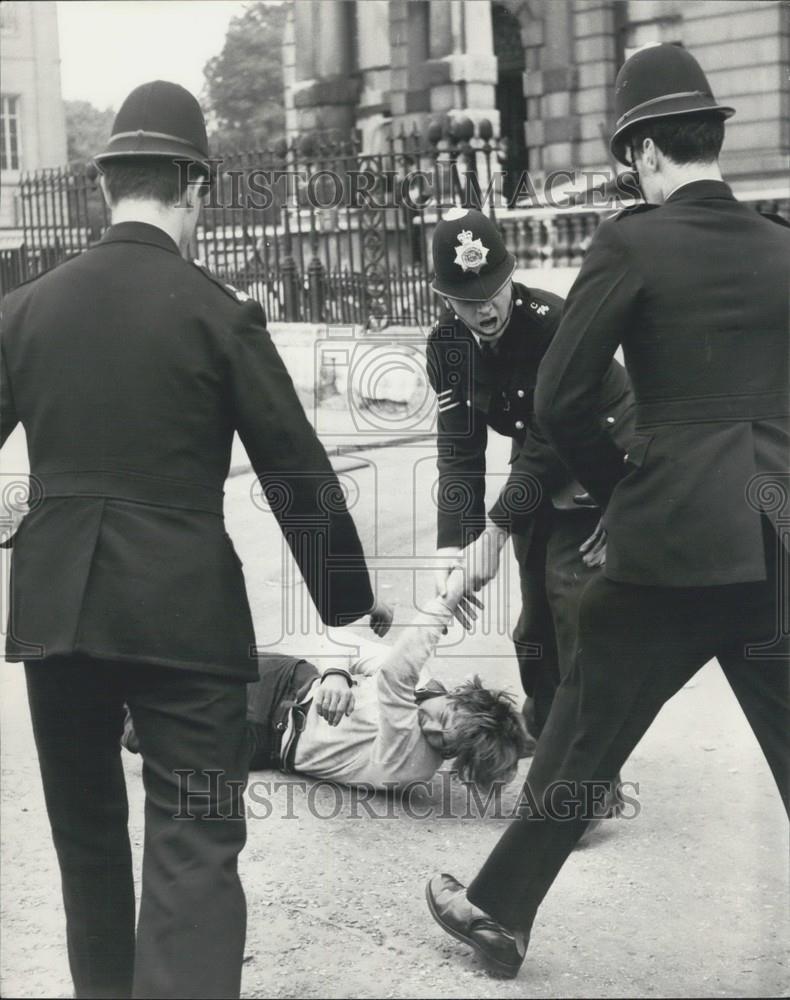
[381,743]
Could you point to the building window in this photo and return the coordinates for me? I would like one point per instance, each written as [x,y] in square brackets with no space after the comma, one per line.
[9,133]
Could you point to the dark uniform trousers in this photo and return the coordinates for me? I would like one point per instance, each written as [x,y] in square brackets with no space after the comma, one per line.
[180,717]
[552,576]
[638,646]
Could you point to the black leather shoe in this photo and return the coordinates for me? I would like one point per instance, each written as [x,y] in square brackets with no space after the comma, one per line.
[453,912]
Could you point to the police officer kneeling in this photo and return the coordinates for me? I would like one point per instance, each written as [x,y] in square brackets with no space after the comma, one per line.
[483,358]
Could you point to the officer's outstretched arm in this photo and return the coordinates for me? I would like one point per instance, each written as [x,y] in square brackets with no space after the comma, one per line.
[300,485]
[459,495]
[460,492]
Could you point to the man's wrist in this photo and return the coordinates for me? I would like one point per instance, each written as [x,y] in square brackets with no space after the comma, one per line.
[338,671]
[496,532]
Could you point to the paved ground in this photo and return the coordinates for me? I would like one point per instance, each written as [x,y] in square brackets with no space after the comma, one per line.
[688,899]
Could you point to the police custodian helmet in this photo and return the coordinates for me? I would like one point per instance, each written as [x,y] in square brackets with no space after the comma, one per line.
[659,81]
[470,260]
[158,119]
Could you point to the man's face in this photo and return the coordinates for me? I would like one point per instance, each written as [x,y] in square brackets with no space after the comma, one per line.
[438,720]
[487,319]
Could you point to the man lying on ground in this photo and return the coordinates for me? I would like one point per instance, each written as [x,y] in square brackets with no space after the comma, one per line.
[371,724]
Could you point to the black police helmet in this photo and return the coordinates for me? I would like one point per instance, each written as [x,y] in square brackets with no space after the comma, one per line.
[161,120]
[470,260]
[659,81]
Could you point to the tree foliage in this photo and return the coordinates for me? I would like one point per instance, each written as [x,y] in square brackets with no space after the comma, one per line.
[244,92]
[87,129]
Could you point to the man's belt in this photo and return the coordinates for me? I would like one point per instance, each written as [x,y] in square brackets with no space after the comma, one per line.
[136,487]
[290,720]
[705,409]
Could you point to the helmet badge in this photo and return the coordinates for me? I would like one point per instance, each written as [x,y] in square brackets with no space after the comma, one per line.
[470,254]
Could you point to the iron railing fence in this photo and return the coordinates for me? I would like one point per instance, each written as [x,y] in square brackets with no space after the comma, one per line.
[318,230]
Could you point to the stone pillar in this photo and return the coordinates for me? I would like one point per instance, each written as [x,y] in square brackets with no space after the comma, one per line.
[442,60]
[324,95]
[373,63]
[473,65]
[441,41]
[399,57]
[304,38]
[289,72]
[571,68]
[595,28]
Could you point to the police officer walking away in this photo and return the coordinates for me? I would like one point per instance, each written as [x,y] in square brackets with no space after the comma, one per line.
[130,369]
[483,358]
[695,287]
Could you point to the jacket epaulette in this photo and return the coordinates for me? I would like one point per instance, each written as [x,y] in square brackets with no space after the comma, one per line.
[235,293]
[543,306]
[627,210]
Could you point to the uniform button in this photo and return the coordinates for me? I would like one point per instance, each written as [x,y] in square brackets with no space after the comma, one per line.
[610,420]
[520,393]
[625,457]
[519,425]
[469,402]
[519,302]
[280,726]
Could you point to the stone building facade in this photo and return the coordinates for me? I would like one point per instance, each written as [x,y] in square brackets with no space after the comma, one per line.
[32,121]
[542,71]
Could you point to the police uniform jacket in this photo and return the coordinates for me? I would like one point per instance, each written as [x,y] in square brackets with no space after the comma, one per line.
[477,389]
[696,290]
[130,368]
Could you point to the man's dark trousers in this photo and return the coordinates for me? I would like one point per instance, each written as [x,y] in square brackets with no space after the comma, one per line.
[552,576]
[638,646]
[190,887]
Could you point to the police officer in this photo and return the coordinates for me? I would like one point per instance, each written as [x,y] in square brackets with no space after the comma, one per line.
[695,287]
[483,358]
[131,368]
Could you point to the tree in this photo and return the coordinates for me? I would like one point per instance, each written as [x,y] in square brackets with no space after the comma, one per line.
[244,83]
[87,129]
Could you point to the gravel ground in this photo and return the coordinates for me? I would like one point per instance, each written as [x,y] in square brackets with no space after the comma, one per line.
[688,899]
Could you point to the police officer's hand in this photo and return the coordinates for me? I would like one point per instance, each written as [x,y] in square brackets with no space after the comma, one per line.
[381,618]
[463,604]
[447,562]
[334,698]
[481,558]
[593,550]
